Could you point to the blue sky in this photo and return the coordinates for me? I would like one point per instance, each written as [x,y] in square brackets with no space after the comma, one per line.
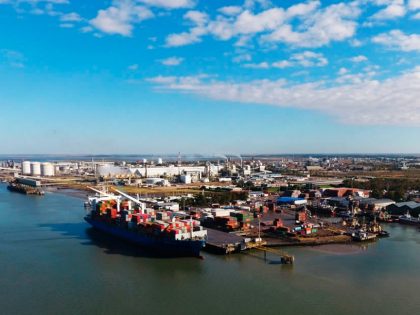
[209,77]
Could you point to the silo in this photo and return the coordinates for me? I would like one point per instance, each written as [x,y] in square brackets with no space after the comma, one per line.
[47,169]
[26,167]
[35,168]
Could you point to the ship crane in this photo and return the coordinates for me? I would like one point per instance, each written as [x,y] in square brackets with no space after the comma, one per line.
[100,192]
[141,204]
[106,195]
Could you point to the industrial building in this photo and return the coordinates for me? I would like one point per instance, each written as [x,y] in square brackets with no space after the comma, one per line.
[109,170]
[402,208]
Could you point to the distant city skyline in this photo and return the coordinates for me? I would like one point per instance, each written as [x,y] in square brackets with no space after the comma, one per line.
[209,77]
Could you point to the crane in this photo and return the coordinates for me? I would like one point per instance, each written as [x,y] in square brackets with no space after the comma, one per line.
[141,204]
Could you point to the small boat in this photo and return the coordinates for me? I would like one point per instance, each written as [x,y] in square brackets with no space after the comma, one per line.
[408,219]
[382,234]
[363,236]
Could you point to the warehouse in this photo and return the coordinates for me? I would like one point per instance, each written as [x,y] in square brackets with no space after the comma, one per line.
[402,208]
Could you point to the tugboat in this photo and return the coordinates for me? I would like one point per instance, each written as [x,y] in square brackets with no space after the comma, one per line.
[375,228]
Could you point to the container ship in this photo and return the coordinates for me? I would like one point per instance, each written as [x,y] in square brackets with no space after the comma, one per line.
[166,233]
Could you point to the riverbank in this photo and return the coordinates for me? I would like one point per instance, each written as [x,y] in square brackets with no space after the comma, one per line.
[271,241]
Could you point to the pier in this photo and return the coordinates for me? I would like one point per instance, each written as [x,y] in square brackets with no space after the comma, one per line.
[219,242]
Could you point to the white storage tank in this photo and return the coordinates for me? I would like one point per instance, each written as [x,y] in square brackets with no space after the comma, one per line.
[35,168]
[160,161]
[47,169]
[186,179]
[26,167]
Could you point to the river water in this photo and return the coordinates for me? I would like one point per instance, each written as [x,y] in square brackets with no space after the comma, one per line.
[51,262]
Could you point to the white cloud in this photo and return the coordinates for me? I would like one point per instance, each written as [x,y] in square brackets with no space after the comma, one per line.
[302,9]
[261,65]
[248,23]
[133,67]
[355,42]
[359,58]
[304,59]
[196,17]
[230,10]
[416,16]
[392,101]
[394,9]
[333,23]
[120,17]
[251,4]
[316,26]
[194,35]
[12,58]
[242,57]
[282,64]
[342,71]
[182,39]
[66,25]
[398,40]
[37,7]
[414,4]
[172,61]
[309,59]
[170,4]
[71,17]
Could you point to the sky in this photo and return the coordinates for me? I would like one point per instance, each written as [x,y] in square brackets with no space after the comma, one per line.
[209,77]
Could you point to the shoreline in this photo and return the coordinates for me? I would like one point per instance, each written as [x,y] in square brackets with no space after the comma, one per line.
[338,245]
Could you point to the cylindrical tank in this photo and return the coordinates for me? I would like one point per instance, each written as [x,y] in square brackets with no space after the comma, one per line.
[47,169]
[159,161]
[26,167]
[35,168]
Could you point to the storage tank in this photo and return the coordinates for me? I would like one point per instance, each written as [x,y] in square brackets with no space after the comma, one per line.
[186,179]
[160,161]
[35,168]
[47,169]
[26,167]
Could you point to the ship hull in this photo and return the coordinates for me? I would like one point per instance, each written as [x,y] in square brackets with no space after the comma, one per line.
[162,246]
[409,222]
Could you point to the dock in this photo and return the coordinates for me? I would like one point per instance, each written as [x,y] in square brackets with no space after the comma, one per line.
[223,243]
[284,257]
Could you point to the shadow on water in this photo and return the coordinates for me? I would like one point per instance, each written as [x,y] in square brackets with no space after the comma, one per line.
[72,230]
[109,244]
[115,246]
